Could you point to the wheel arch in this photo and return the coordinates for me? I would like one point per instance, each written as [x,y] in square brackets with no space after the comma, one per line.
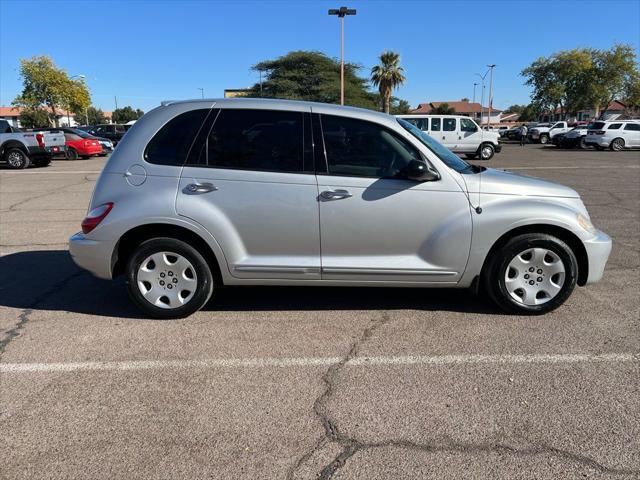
[563,234]
[12,144]
[128,242]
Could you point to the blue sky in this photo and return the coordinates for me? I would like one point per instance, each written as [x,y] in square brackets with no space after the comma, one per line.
[147,51]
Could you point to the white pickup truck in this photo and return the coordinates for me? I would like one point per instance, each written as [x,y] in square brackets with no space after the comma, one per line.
[53,141]
[19,150]
[544,132]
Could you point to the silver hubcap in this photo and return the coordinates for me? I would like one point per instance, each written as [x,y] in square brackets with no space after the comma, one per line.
[617,145]
[534,276]
[15,159]
[167,280]
[486,152]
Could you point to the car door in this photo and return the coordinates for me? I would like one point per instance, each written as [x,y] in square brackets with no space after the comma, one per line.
[378,226]
[249,181]
[632,134]
[470,136]
[450,137]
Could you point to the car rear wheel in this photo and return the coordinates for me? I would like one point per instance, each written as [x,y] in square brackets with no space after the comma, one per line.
[617,145]
[532,274]
[168,278]
[544,139]
[72,154]
[16,158]
[582,143]
[486,151]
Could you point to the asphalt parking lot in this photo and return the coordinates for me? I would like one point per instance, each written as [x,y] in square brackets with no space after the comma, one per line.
[315,383]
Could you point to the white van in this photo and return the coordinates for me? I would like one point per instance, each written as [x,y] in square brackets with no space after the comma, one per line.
[458,133]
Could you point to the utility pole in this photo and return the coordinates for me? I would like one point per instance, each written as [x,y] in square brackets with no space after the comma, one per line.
[341,13]
[491,67]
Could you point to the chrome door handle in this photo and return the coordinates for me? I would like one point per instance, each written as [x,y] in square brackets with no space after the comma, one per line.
[198,187]
[331,194]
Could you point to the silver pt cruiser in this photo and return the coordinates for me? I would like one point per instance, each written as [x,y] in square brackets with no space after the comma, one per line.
[206,193]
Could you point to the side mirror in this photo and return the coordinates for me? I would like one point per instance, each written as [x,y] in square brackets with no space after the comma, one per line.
[420,171]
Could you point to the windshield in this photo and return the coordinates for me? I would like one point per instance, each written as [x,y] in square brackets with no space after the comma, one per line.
[447,156]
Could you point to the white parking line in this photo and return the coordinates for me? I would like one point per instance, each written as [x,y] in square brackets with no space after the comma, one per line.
[443,360]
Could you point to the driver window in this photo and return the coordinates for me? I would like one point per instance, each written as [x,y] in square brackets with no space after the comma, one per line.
[467,125]
[364,149]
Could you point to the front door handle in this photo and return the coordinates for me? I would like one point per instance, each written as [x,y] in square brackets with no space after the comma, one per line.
[198,187]
[335,194]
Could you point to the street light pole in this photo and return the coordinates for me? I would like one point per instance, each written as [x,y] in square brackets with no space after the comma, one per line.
[342,12]
[201,91]
[475,84]
[491,67]
[482,97]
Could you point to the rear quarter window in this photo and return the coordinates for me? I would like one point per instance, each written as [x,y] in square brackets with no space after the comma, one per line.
[171,144]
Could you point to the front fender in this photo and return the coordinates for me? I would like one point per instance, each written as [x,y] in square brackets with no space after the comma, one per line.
[504,213]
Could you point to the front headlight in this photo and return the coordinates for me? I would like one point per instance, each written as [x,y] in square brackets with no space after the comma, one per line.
[585,223]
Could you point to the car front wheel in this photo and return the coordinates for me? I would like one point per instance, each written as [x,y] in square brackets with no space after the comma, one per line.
[617,145]
[168,278]
[16,158]
[486,151]
[532,274]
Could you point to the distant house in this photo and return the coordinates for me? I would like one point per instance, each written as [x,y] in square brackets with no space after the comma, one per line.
[65,119]
[463,107]
[614,108]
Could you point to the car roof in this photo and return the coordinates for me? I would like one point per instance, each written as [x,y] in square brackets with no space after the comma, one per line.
[424,115]
[327,108]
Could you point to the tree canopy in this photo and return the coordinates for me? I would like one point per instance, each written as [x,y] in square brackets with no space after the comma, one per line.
[387,75]
[94,116]
[34,118]
[443,109]
[582,78]
[47,86]
[126,114]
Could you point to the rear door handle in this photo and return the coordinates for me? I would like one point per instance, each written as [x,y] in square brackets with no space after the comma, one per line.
[335,194]
[200,187]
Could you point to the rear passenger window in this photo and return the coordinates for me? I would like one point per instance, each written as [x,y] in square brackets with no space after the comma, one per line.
[632,126]
[614,126]
[449,125]
[435,124]
[263,140]
[171,144]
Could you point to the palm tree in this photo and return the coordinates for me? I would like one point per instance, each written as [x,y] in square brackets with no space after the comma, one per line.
[387,76]
[443,109]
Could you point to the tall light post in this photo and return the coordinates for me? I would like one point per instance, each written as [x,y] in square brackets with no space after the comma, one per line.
[491,67]
[86,114]
[341,13]
[201,91]
[475,84]
[482,97]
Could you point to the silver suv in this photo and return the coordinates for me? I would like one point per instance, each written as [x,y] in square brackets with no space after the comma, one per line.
[201,194]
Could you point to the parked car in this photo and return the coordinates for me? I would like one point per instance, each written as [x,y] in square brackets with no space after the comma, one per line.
[111,131]
[51,139]
[202,194]
[575,137]
[544,132]
[458,133]
[19,150]
[80,144]
[105,144]
[616,135]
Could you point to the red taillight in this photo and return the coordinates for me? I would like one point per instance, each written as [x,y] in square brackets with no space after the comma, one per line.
[88,143]
[95,216]
[40,140]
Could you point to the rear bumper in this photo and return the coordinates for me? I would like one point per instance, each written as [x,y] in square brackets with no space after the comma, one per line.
[498,148]
[92,255]
[38,152]
[598,250]
[597,141]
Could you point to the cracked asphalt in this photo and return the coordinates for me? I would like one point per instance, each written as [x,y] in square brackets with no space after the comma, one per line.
[305,383]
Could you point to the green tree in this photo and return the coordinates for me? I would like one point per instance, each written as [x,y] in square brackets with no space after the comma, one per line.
[387,76]
[443,109]
[399,106]
[126,114]
[465,99]
[47,86]
[312,76]
[34,118]
[94,116]
[529,114]
[515,108]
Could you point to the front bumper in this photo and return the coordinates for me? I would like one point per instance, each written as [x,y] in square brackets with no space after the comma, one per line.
[92,255]
[598,249]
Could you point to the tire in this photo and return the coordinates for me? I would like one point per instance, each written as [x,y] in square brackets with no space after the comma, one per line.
[507,276]
[582,143]
[186,283]
[544,139]
[72,154]
[486,151]
[471,156]
[16,158]
[598,147]
[617,145]
[42,162]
